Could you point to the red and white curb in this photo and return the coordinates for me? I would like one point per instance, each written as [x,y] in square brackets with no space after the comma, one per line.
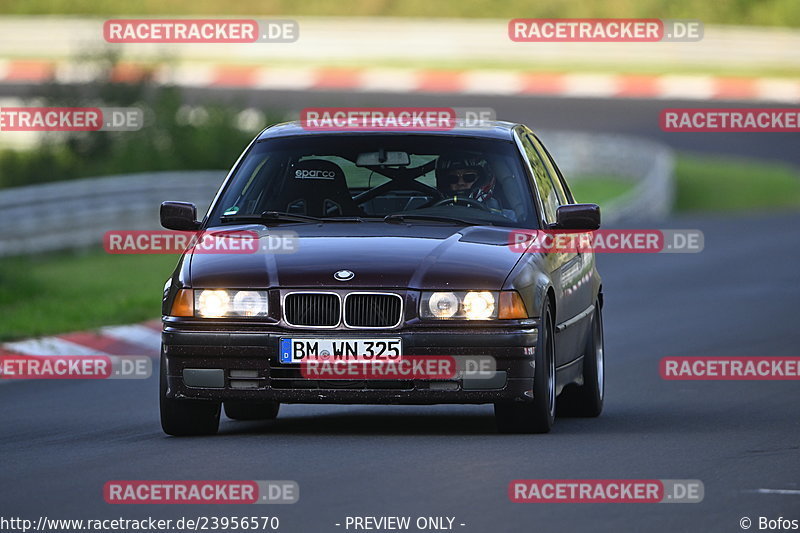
[110,341]
[486,82]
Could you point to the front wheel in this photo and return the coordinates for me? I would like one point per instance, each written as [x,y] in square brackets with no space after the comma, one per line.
[186,417]
[587,400]
[536,416]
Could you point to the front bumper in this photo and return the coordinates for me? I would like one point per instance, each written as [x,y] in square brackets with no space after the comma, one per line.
[243,365]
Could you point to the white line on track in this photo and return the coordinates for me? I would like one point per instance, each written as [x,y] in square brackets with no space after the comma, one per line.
[143,336]
[50,346]
[777,491]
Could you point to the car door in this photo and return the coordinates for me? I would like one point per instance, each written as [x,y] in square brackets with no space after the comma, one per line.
[585,284]
[568,268]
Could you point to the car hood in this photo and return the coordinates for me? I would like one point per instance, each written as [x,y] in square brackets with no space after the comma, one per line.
[379,254]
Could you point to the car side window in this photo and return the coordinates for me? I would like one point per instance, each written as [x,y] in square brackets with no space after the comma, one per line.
[544,184]
[555,172]
[563,197]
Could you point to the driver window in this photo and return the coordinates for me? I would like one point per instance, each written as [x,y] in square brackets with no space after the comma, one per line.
[562,195]
[544,185]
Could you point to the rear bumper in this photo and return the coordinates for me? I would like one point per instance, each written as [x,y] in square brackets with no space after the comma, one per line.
[243,365]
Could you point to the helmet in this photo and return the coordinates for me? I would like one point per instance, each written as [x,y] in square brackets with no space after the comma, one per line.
[481,189]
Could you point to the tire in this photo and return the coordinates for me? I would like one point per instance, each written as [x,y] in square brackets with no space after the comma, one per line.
[257,410]
[587,400]
[186,417]
[536,416]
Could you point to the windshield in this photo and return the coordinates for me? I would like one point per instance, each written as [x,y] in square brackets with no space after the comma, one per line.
[419,178]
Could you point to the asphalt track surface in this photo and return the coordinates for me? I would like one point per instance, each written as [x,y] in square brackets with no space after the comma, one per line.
[639,117]
[636,117]
[62,440]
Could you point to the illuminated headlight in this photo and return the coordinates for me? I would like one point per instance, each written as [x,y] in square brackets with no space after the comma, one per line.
[464,305]
[218,303]
[479,305]
[473,305]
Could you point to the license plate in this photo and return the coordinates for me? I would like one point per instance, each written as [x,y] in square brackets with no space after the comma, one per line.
[296,350]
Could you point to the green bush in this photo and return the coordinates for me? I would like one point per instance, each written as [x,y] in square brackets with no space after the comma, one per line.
[747,12]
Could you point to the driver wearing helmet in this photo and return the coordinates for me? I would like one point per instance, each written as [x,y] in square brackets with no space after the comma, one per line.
[466,176]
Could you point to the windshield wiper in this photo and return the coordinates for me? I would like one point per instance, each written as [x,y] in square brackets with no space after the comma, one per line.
[270,216]
[281,216]
[400,217]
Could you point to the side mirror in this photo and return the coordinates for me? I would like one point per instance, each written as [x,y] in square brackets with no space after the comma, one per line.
[180,216]
[577,216]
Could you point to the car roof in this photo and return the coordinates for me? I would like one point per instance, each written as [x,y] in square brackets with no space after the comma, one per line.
[487,129]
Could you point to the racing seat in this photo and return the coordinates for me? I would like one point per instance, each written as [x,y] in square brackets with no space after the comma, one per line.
[507,191]
[318,188]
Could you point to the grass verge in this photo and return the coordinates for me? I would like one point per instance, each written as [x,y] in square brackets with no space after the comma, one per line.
[599,189]
[725,184]
[56,293]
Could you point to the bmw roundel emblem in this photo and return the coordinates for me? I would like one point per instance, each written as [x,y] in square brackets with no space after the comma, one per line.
[344,275]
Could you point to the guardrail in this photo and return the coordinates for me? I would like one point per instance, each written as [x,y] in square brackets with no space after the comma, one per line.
[649,165]
[75,214]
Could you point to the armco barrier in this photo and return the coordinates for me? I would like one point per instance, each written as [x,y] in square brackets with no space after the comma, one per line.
[75,214]
[649,165]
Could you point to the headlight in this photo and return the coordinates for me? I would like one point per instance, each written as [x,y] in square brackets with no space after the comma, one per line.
[218,303]
[479,305]
[250,303]
[443,304]
[212,303]
[472,305]
[469,305]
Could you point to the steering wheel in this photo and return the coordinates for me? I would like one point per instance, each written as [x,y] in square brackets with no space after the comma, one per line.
[469,202]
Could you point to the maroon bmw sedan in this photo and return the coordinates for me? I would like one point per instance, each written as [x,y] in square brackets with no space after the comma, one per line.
[395,280]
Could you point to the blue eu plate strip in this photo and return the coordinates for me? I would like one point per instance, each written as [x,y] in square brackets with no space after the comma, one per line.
[286,350]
